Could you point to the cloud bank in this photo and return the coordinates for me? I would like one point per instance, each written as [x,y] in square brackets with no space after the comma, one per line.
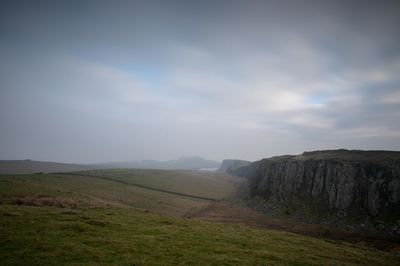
[98,81]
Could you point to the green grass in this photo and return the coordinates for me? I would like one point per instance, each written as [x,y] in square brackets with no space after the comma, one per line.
[92,188]
[105,227]
[122,236]
[203,184]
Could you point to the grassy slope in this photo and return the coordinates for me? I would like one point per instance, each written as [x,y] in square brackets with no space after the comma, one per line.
[121,236]
[94,233]
[204,184]
[116,187]
[84,187]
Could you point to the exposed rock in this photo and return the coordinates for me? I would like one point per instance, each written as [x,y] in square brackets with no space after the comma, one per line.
[341,180]
[230,165]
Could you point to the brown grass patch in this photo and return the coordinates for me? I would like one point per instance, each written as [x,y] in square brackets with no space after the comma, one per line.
[60,202]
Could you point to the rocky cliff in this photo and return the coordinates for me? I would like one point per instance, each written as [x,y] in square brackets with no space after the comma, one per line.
[349,182]
[231,165]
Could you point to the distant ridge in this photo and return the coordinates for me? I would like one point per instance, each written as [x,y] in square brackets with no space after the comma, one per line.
[31,167]
[231,165]
[188,163]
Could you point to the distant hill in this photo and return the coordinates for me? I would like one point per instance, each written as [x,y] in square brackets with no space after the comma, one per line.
[30,167]
[188,163]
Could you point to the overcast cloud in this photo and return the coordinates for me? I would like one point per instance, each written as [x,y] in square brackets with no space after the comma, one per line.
[98,81]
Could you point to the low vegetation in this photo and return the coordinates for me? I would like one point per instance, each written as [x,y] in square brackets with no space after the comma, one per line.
[75,220]
[123,236]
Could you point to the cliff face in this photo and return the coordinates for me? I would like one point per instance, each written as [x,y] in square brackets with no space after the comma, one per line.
[368,181]
[231,166]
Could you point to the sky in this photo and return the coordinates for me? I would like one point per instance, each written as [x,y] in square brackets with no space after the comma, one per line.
[101,81]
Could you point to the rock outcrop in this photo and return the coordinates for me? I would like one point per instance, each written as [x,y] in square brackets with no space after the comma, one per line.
[345,181]
[231,165]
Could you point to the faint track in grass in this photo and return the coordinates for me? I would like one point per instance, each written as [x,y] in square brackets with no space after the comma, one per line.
[140,186]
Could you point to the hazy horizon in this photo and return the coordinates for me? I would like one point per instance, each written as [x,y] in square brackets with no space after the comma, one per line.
[107,81]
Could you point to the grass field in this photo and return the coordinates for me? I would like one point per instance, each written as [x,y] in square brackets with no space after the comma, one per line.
[154,190]
[212,185]
[76,219]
